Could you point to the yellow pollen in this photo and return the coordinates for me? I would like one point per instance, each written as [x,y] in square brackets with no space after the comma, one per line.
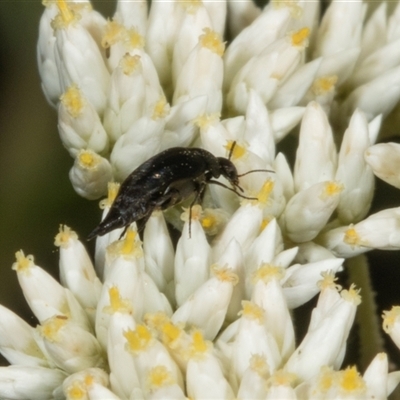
[117,303]
[76,392]
[252,311]
[390,318]
[224,274]
[238,151]
[199,345]
[300,37]
[129,242]
[328,281]
[52,326]
[264,223]
[282,378]
[156,320]
[351,381]
[259,364]
[159,376]
[64,235]
[208,222]
[129,64]
[88,159]
[211,220]
[161,109]
[113,33]
[351,237]
[89,380]
[23,264]
[352,295]
[266,190]
[113,189]
[73,101]
[65,16]
[134,39]
[138,339]
[204,121]
[331,189]
[267,273]
[212,41]
[170,333]
[326,379]
[324,84]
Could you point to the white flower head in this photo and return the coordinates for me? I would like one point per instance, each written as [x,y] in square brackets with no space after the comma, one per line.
[201,310]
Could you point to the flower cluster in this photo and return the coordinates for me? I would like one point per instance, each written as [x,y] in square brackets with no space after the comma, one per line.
[211,317]
[156,328]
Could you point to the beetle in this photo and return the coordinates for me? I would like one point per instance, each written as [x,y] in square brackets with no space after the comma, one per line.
[166,179]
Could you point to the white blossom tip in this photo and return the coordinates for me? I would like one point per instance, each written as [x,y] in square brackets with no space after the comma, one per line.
[117,303]
[51,327]
[267,273]
[282,378]
[129,246]
[158,377]
[224,274]
[113,189]
[73,100]
[138,340]
[390,318]
[300,37]
[23,264]
[352,295]
[64,236]
[252,311]
[88,159]
[199,347]
[329,281]
[66,16]
[212,41]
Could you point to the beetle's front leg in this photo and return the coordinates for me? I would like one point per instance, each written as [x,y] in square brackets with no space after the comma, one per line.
[180,191]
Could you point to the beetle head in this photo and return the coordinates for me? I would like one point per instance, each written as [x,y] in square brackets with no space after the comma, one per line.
[229,171]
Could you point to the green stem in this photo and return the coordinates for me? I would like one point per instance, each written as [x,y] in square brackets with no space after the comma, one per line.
[371,341]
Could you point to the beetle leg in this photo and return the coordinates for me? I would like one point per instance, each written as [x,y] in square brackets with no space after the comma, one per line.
[199,190]
[232,190]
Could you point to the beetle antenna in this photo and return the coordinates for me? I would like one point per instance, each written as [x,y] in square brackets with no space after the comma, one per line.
[233,190]
[255,170]
[231,150]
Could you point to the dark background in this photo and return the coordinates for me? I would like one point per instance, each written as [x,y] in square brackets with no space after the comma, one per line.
[35,193]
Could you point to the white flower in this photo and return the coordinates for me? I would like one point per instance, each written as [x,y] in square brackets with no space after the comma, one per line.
[328,325]
[380,231]
[90,174]
[30,383]
[205,376]
[209,303]
[352,171]
[70,347]
[46,58]
[79,124]
[156,321]
[384,159]
[77,272]
[309,210]
[192,258]
[78,58]
[315,138]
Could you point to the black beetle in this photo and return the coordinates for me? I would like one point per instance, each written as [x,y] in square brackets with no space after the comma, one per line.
[164,180]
